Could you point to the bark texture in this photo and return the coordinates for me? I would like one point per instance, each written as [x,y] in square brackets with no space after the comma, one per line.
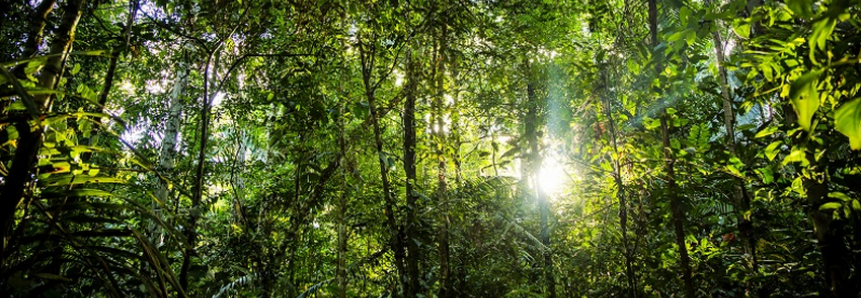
[30,138]
[672,188]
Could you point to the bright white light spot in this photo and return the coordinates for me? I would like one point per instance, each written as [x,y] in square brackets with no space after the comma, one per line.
[552,177]
[133,135]
[729,45]
[155,87]
[399,78]
[127,87]
[217,99]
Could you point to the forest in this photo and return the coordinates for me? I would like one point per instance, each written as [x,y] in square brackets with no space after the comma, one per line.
[430,148]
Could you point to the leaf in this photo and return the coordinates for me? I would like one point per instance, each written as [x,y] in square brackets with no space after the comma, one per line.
[742,29]
[830,206]
[796,155]
[81,192]
[51,276]
[767,175]
[651,123]
[822,30]
[76,69]
[44,58]
[72,180]
[769,130]
[803,8]
[734,170]
[847,120]
[685,15]
[805,97]
[314,288]
[839,195]
[772,150]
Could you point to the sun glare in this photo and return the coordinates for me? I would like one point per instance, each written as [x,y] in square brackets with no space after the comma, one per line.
[552,177]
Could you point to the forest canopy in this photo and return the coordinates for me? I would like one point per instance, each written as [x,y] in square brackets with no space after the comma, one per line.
[430,148]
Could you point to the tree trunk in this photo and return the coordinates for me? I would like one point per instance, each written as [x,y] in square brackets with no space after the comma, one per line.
[676,206]
[168,145]
[672,188]
[621,193]
[368,57]
[455,123]
[442,200]
[414,254]
[30,139]
[745,226]
[341,270]
[197,196]
[535,161]
[115,54]
[829,234]
[37,29]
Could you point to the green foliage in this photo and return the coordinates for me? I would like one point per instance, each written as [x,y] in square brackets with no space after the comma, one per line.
[229,149]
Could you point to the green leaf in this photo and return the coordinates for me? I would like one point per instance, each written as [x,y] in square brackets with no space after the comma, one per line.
[651,123]
[796,155]
[803,8]
[769,130]
[772,150]
[76,69]
[51,276]
[847,120]
[742,29]
[805,97]
[767,175]
[830,206]
[734,170]
[839,195]
[72,180]
[82,192]
[685,15]
[822,30]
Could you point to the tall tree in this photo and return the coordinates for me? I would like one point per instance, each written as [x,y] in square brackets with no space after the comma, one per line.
[368,54]
[30,138]
[409,119]
[671,189]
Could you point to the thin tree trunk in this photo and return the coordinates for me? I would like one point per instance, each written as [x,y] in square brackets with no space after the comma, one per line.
[621,194]
[116,52]
[341,270]
[37,29]
[30,139]
[168,145]
[829,234]
[197,196]
[535,161]
[112,67]
[676,207]
[745,226]
[368,57]
[442,233]
[830,238]
[414,254]
[494,147]
[455,123]
[672,188]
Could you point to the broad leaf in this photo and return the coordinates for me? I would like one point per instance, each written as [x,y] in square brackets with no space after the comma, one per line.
[847,120]
[805,98]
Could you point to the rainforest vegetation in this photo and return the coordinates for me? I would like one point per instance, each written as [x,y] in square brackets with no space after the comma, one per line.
[430,148]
